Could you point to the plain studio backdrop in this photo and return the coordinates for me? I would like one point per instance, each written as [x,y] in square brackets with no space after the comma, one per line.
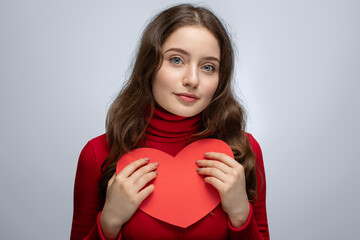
[297,72]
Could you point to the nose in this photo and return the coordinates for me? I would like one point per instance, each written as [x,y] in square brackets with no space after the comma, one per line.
[191,78]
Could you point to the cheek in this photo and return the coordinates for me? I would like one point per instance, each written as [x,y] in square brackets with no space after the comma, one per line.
[161,85]
[166,79]
[211,88]
[161,77]
[158,82]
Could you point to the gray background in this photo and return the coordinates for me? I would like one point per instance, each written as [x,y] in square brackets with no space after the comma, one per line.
[62,62]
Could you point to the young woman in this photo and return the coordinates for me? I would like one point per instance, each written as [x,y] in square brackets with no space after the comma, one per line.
[179,92]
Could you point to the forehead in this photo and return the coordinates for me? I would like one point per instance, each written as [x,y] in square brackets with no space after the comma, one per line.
[193,39]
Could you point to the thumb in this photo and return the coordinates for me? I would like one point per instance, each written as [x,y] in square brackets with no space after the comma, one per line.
[111,180]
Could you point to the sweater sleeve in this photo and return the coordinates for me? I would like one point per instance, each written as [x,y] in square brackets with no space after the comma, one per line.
[87,201]
[256,227]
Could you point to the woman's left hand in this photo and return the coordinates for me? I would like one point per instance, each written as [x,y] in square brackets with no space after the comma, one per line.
[228,176]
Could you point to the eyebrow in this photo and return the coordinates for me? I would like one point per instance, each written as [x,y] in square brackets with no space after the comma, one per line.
[187,54]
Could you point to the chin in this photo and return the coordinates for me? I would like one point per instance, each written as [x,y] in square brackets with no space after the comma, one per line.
[184,113]
[181,111]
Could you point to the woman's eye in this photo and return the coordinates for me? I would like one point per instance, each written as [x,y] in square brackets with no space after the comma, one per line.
[176,60]
[208,68]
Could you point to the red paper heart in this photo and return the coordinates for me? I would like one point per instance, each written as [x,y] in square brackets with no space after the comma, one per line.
[181,197]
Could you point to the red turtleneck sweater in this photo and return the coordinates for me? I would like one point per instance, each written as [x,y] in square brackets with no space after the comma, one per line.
[168,133]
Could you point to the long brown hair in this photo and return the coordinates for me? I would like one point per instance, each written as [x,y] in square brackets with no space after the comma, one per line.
[224,118]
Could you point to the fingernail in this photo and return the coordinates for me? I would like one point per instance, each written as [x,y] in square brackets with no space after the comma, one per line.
[207,153]
[156,173]
[198,161]
[198,169]
[156,164]
[147,159]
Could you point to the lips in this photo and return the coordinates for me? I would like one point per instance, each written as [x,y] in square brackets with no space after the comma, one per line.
[187,97]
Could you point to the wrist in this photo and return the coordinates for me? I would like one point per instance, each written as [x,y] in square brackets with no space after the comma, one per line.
[109,226]
[240,218]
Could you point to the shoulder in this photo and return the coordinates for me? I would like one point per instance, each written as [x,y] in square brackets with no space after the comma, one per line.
[255,145]
[99,143]
[259,162]
[257,150]
[96,151]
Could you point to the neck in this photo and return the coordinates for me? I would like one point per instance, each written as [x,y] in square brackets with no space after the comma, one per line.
[170,133]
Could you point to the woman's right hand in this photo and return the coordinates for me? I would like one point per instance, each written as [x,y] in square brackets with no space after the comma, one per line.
[124,195]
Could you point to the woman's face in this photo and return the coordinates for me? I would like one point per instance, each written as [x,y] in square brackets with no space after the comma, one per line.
[189,75]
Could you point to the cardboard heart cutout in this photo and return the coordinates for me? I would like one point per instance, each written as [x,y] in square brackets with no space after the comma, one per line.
[181,197]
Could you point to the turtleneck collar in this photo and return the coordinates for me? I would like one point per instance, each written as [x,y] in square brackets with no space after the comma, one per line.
[170,128]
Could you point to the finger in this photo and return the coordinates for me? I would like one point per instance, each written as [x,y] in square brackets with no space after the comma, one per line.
[146,192]
[145,179]
[216,183]
[214,164]
[142,171]
[213,172]
[222,157]
[131,167]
